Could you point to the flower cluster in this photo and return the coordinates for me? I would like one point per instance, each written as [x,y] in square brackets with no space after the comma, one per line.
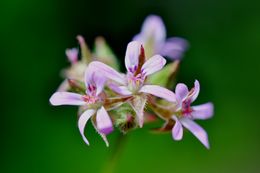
[128,100]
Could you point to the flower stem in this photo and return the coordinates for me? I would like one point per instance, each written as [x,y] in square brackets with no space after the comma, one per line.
[110,165]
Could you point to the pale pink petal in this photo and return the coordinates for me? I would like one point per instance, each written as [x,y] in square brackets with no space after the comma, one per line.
[66,98]
[153,65]
[174,48]
[138,37]
[104,123]
[122,90]
[177,130]
[94,78]
[99,81]
[108,72]
[83,121]
[152,29]
[72,55]
[159,91]
[196,130]
[88,75]
[181,92]
[203,111]
[133,52]
[195,91]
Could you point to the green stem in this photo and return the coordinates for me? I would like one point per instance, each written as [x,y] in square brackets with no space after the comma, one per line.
[110,165]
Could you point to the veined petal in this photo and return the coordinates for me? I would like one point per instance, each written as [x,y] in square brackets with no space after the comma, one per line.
[83,121]
[196,130]
[72,55]
[153,65]
[122,90]
[181,92]
[177,130]
[153,29]
[66,98]
[195,91]
[133,52]
[108,72]
[159,92]
[174,48]
[100,82]
[203,111]
[93,77]
[88,75]
[104,123]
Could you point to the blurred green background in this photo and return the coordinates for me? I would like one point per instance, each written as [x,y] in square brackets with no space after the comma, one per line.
[224,56]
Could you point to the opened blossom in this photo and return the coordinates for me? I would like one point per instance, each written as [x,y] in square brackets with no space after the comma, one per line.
[92,101]
[185,114]
[107,97]
[133,82]
[153,36]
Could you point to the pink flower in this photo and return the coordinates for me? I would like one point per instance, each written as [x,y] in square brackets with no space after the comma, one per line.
[153,36]
[185,113]
[92,100]
[133,83]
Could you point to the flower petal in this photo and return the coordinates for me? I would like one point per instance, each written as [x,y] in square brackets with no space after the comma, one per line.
[72,55]
[83,121]
[153,65]
[177,130]
[203,111]
[133,52]
[196,130]
[181,92]
[195,91]
[66,98]
[159,92]
[152,29]
[122,90]
[174,48]
[104,123]
[93,77]
[108,72]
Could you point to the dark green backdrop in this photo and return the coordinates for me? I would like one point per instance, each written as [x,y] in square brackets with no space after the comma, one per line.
[224,56]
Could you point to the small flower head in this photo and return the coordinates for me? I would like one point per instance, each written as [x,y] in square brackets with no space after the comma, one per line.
[185,113]
[92,100]
[133,82]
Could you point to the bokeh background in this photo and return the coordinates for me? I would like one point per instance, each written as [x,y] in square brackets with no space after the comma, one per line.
[224,56]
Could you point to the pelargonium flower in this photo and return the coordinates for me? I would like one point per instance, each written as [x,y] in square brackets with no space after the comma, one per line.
[153,36]
[185,113]
[92,100]
[133,83]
